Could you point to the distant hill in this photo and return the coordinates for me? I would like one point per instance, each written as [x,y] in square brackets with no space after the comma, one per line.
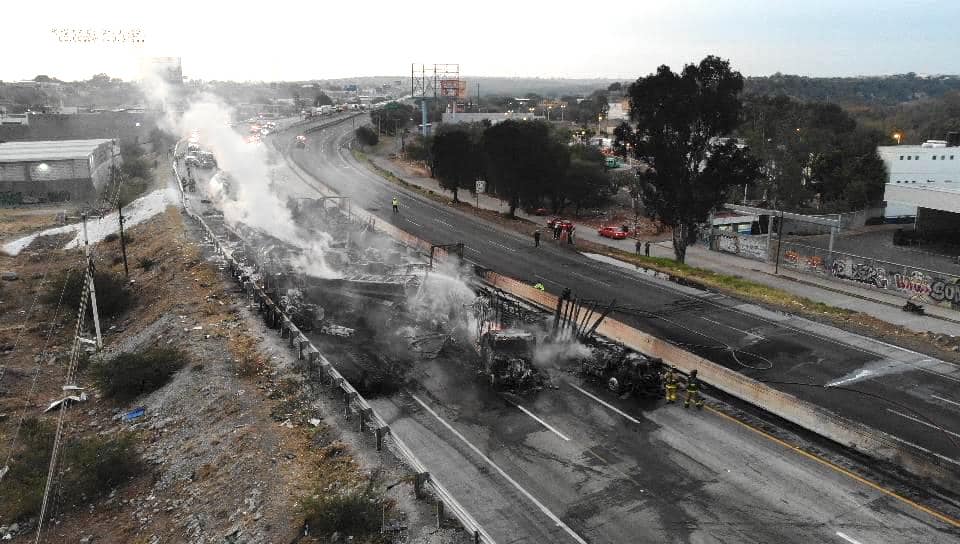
[870,91]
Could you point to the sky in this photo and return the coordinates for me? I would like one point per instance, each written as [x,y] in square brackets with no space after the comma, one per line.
[302,40]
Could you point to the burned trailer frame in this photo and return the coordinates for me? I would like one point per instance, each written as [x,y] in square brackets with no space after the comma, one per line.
[621,370]
[507,360]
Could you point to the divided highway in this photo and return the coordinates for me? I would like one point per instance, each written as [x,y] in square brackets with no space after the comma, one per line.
[575,465]
[911,396]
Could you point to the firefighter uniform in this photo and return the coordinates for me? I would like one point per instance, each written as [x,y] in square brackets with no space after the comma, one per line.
[693,391]
[396,204]
[670,383]
[539,286]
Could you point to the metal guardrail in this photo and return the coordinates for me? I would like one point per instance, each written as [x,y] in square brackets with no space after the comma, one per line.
[369,419]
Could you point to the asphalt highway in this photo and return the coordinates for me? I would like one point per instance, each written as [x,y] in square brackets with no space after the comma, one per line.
[573,464]
[913,397]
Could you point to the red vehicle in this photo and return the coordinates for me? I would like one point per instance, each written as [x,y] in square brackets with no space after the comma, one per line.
[616,233]
[552,223]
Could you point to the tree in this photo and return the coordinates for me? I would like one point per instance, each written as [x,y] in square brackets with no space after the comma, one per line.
[392,116]
[366,136]
[681,119]
[321,99]
[456,160]
[523,160]
[585,183]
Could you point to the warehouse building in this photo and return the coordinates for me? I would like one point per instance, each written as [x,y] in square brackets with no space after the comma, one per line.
[55,171]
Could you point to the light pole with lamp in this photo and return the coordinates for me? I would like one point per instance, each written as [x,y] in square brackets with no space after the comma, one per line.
[897,136]
[548,112]
[562,107]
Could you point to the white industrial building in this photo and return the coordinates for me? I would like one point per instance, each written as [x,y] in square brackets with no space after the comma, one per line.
[494,118]
[924,181]
[55,170]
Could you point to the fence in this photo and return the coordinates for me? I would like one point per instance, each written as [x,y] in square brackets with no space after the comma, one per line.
[369,420]
[907,281]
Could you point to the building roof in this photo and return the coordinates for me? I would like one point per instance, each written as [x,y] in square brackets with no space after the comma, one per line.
[48,150]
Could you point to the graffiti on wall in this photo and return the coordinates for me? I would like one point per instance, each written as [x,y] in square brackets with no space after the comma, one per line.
[749,246]
[845,268]
[937,288]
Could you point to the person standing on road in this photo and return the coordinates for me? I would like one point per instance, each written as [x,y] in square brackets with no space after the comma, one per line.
[638,245]
[646,249]
[396,205]
[693,391]
[570,235]
[536,238]
[557,228]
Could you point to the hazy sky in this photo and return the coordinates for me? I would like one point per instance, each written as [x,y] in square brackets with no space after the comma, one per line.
[295,40]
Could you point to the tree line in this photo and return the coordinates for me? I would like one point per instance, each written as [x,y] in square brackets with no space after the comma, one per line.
[528,164]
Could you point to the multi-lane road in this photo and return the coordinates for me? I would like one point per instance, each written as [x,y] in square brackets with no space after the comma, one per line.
[573,464]
[913,397]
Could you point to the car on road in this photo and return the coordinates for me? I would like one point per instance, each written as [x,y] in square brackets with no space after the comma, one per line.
[552,222]
[617,233]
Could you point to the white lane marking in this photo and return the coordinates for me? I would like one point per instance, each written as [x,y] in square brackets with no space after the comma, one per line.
[501,246]
[471,249]
[938,397]
[544,423]
[922,422]
[513,482]
[847,538]
[731,327]
[444,223]
[414,222]
[610,406]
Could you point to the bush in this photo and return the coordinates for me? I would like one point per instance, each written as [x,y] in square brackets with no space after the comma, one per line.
[356,513]
[146,263]
[366,136]
[130,375]
[90,468]
[113,295]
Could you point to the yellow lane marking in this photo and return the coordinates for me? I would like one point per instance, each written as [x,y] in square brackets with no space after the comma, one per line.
[942,517]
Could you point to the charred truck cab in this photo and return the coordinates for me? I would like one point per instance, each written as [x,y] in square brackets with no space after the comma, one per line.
[507,359]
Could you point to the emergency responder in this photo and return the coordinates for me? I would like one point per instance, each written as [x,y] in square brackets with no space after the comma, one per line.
[536,238]
[670,383]
[639,245]
[539,286]
[646,249]
[693,391]
[396,205]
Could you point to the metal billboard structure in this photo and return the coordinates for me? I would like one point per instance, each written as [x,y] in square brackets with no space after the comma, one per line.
[432,82]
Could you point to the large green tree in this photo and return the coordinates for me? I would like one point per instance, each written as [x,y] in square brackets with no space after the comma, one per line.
[457,160]
[682,120]
[523,160]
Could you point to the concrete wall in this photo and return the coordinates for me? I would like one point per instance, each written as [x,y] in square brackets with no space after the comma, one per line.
[907,281]
[744,245]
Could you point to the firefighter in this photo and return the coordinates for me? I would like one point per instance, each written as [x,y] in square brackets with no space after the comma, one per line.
[670,383]
[396,204]
[693,391]
[536,238]
[539,286]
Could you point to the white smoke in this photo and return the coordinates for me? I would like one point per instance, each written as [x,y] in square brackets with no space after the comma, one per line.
[249,200]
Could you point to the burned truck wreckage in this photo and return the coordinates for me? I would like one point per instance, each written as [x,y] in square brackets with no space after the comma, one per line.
[375,304]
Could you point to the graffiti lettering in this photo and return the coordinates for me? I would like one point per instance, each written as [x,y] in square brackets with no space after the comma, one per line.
[942,291]
[862,273]
[914,282]
[791,257]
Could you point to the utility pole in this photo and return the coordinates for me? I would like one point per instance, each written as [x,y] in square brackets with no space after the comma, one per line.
[776,266]
[123,240]
[93,292]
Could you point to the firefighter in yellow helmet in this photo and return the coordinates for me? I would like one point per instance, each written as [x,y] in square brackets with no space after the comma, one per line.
[396,204]
[670,383]
[539,286]
[693,391]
